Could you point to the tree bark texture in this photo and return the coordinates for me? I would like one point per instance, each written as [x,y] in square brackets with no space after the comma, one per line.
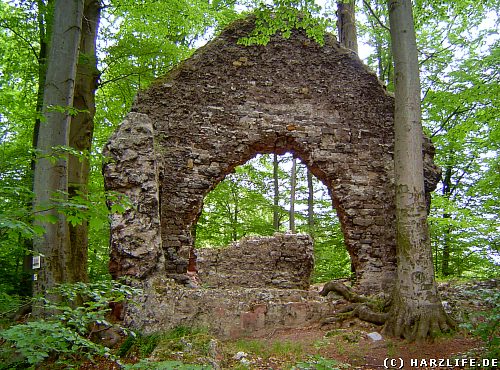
[81,132]
[346,24]
[51,169]
[416,312]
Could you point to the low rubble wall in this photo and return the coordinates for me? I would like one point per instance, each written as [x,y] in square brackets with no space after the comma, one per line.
[283,261]
[227,313]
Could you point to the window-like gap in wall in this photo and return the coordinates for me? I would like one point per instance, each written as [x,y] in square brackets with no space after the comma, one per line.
[243,204]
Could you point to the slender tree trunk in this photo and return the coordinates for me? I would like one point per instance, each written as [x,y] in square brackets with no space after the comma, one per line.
[81,130]
[235,219]
[276,216]
[293,186]
[380,63]
[416,310]
[51,178]
[346,24]
[445,262]
[383,52]
[389,71]
[235,222]
[385,65]
[310,204]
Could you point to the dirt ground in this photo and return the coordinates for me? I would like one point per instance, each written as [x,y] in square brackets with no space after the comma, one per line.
[353,347]
[346,346]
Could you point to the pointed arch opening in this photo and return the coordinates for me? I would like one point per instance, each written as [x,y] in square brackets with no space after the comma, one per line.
[260,198]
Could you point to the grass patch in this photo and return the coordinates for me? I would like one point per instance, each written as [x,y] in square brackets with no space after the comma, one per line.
[256,352]
[287,349]
[320,363]
[254,347]
[179,344]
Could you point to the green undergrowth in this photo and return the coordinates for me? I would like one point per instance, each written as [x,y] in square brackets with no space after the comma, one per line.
[67,333]
[486,325]
[9,306]
[165,365]
[320,363]
[287,351]
[181,344]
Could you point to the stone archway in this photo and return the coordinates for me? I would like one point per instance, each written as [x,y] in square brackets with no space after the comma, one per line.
[228,103]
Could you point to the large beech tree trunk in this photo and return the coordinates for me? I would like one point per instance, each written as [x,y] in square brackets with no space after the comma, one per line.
[44,15]
[51,169]
[416,312]
[81,130]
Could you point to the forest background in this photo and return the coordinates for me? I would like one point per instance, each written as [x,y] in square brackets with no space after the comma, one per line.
[139,41]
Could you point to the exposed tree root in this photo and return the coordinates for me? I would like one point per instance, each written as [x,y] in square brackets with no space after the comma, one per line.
[348,308]
[417,323]
[361,306]
[359,310]
[365,313]
[343,290]
[339,317]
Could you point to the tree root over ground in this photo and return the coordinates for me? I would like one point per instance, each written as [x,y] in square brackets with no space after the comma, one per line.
[418,322]
[360,307]
[343,290]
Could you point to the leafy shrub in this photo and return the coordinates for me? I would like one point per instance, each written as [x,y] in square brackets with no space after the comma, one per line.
[486,325]
[38,340]
[65,334]
[95,307]
[9,303]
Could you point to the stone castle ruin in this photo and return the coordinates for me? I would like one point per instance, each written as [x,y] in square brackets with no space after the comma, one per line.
[215,111]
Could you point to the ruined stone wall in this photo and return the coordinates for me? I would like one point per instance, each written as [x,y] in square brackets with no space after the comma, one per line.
[228,103]
[282,261]
[228,313]
[135,234]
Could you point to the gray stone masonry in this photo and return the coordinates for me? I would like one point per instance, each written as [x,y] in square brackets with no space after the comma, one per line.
[282,261]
